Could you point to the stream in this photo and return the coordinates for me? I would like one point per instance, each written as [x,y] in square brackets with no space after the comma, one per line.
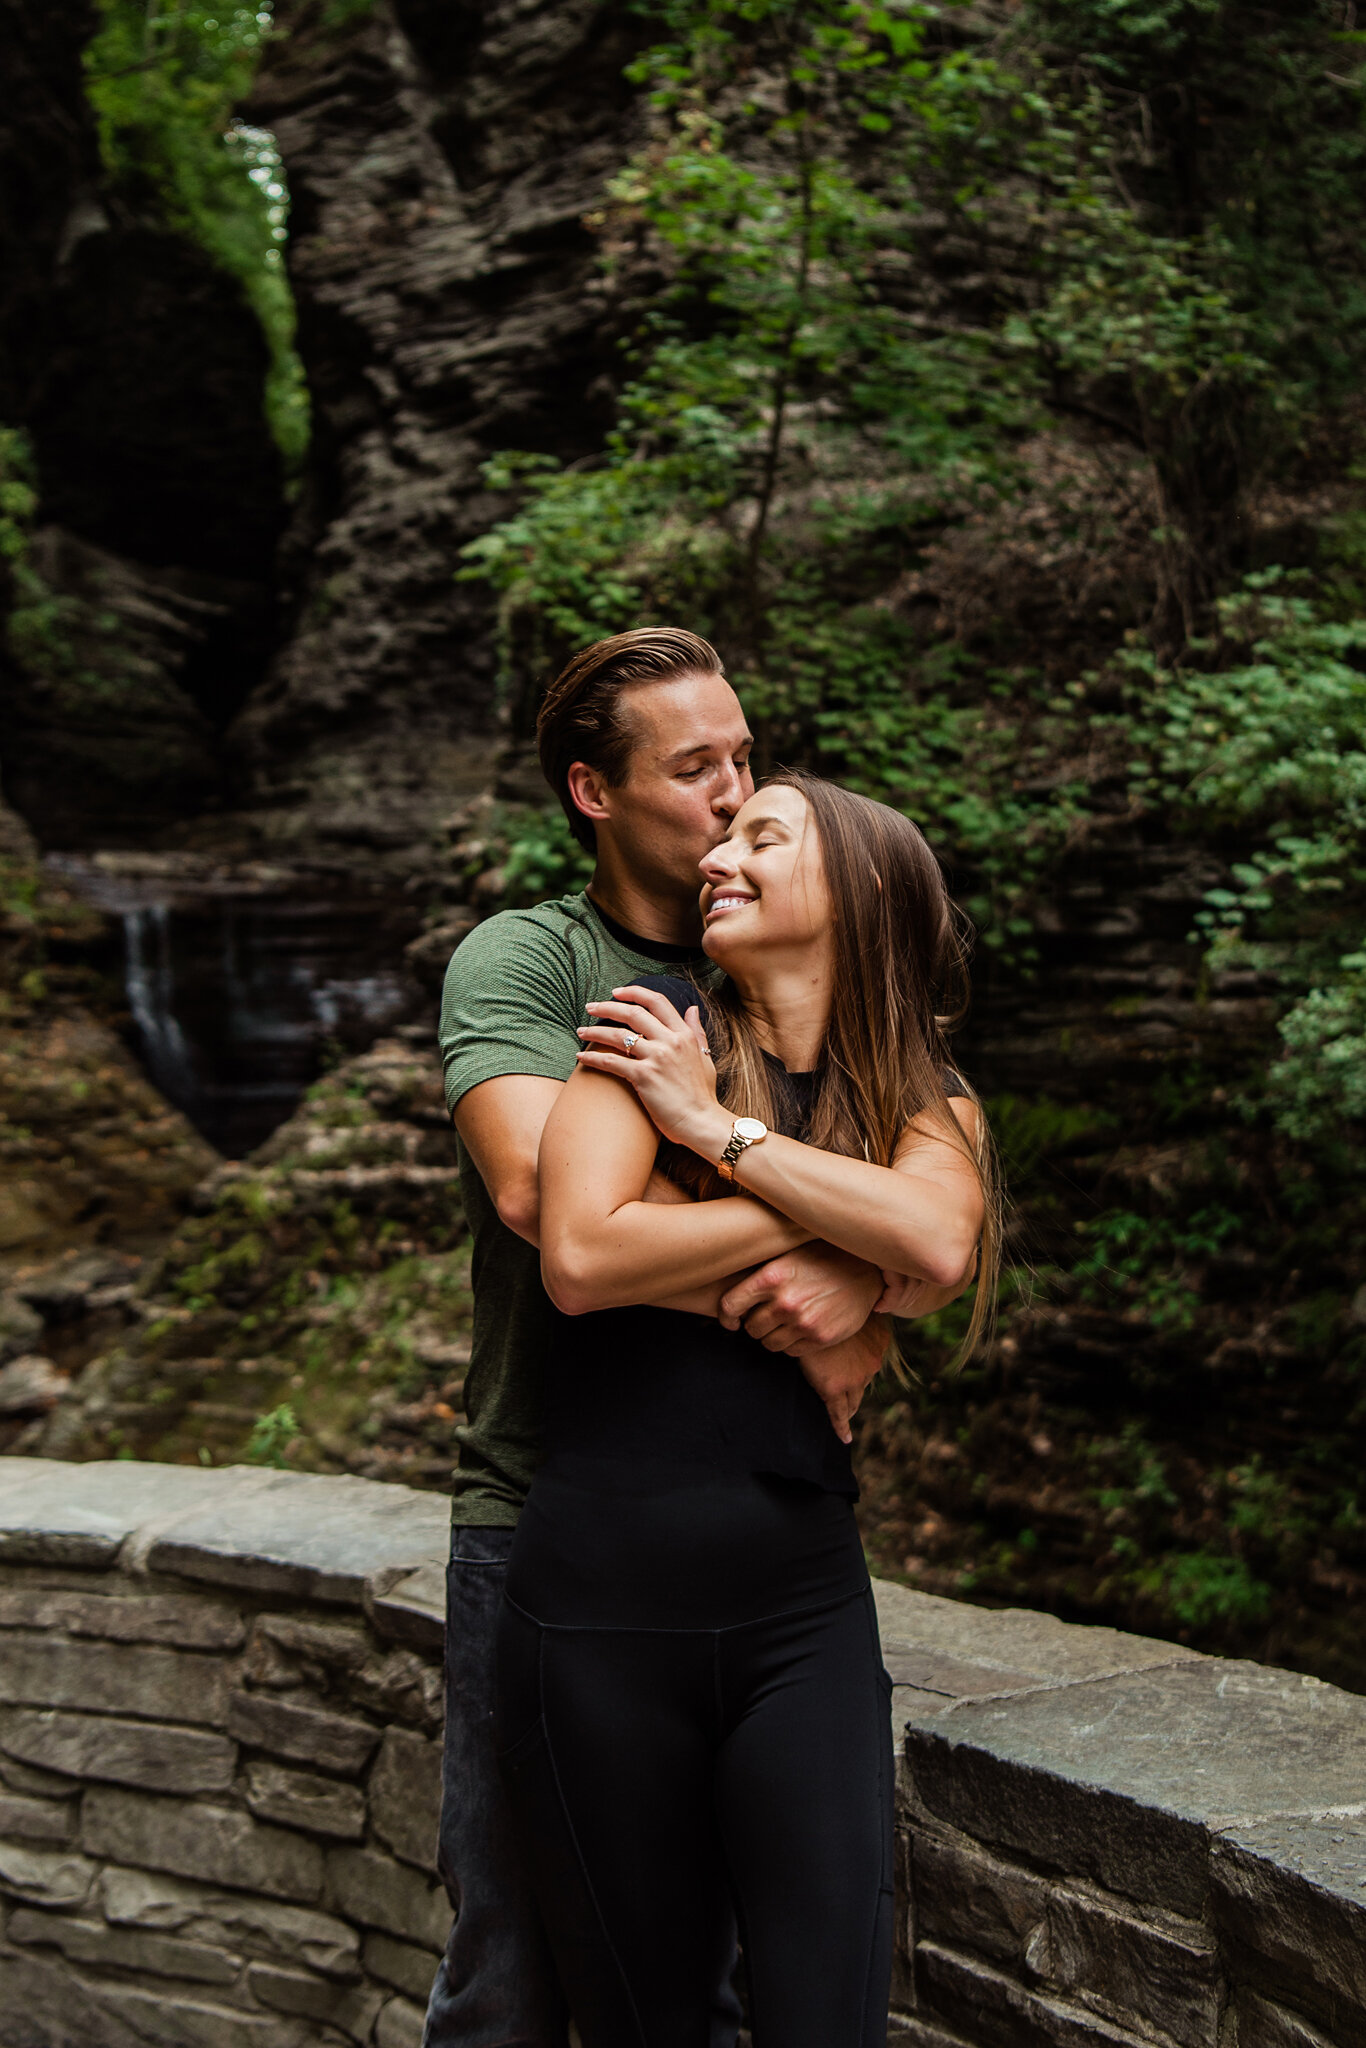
[242,987]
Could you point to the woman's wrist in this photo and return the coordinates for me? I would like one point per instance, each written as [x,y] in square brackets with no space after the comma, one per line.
[708,1133]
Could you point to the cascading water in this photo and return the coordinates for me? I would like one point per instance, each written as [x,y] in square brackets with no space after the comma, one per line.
[239,989]
[149,981]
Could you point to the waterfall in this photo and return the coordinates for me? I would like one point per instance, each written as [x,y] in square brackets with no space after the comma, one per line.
[149,981]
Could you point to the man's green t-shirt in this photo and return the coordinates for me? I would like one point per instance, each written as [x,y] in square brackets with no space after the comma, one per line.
[515,995]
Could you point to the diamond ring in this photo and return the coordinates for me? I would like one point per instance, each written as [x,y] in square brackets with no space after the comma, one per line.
[628,1039]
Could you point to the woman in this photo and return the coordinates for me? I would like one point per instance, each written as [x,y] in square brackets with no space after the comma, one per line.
[692,1705]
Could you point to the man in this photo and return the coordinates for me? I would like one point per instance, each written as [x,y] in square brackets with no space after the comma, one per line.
[646,746]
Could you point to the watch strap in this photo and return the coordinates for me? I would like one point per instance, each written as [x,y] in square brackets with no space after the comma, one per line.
[735,1145]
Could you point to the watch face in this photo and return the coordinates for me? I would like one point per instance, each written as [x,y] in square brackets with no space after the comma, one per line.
[750,1128]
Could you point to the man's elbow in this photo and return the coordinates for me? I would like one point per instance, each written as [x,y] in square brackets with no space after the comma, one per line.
[518,1202]
[571,1280]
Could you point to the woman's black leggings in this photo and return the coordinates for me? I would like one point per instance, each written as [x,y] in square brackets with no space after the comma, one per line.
[660,1774]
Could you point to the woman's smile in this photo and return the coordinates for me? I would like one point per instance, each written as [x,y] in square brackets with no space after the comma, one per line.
[724,901]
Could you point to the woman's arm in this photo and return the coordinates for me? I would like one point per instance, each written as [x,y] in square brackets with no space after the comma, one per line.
[921,1216]
[602,1244]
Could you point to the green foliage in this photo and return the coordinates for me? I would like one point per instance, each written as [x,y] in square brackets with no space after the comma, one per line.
[73,646]
[164,82]
[1272,749]
[1028,1129]
[544,859]
[797,420]
[1202,1589]
[1141,1261]
[790,426]
[271,1437]
[1212,286]
[1320,1081]
[1144,1488]
[18,495]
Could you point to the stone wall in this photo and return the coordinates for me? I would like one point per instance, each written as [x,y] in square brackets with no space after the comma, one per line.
[1113,1841]
[220,1712]
[220,1705]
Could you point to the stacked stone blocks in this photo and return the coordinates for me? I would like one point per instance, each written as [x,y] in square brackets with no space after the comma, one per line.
[220,1713]
[1115,1842]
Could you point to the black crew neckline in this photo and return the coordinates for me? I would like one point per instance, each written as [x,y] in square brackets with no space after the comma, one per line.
[651,949]
[793,1073]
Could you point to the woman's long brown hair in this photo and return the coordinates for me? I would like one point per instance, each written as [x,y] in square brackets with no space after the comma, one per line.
[900,985]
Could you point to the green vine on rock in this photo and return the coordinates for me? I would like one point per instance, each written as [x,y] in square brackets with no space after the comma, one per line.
[165,81]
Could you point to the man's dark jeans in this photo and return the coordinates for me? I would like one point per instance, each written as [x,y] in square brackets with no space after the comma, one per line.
[496,1985]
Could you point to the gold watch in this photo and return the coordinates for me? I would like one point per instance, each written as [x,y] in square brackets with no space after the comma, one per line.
[745,1131]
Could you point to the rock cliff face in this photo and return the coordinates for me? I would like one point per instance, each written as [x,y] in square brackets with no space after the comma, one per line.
[440,159]
[141,606]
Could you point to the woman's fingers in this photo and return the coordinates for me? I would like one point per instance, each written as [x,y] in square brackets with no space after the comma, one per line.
[659,1007]
[617,1063]
[607,1034]
[628,1017]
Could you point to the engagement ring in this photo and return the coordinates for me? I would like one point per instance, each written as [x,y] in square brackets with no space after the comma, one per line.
[629,1040]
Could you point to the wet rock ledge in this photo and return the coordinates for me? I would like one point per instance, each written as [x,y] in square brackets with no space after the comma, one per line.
[220,1708]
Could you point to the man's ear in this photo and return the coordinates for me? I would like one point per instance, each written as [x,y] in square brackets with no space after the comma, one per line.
[587,789]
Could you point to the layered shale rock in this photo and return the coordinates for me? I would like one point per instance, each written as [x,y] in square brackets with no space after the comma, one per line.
[139,604]
[440,161]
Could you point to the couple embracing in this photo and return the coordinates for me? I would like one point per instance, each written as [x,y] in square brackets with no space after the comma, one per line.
[710,1141]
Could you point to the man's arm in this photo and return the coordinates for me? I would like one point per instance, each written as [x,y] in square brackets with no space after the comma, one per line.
[501,1122]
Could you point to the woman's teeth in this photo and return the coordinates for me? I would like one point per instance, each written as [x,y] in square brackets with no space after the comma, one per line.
[728,903]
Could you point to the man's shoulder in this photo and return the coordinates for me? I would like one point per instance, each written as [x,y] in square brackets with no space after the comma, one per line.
[554,917]
[537,930]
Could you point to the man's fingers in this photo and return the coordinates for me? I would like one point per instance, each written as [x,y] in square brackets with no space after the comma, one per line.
[784,1337]
[838,1409]
[742,1297]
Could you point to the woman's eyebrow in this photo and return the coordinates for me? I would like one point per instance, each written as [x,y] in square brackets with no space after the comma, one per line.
[754,825]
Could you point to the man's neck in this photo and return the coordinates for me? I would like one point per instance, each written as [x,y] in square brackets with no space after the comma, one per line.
[667,920]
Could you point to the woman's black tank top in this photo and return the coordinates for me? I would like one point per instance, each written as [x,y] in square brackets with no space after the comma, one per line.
[654,1387]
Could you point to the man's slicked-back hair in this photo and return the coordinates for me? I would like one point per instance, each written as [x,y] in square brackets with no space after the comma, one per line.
[581,718]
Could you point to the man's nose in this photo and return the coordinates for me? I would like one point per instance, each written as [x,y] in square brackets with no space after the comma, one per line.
[731,793]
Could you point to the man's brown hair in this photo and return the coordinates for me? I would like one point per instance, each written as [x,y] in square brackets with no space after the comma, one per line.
[581,716]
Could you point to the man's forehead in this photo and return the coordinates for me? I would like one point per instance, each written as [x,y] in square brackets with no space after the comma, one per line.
[690,715]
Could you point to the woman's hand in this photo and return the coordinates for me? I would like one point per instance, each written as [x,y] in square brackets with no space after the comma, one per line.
[640,1038]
